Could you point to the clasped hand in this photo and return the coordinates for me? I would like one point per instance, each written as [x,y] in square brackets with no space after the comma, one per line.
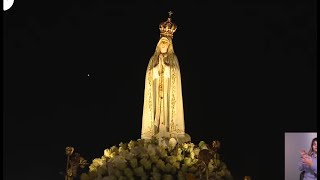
[306,158]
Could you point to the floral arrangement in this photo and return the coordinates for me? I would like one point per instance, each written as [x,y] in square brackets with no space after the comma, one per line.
[166,159]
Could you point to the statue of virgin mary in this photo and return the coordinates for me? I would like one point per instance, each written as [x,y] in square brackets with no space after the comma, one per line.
[163,106]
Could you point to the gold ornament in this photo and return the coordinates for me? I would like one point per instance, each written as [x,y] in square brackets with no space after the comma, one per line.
[216,145]
[167,28]
[69,151]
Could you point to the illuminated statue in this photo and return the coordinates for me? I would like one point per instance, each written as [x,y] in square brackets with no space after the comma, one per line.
[163,106]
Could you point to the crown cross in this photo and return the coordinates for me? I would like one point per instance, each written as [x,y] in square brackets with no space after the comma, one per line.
[167,28]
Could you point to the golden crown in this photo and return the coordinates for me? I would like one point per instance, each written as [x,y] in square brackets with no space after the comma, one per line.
[167,28]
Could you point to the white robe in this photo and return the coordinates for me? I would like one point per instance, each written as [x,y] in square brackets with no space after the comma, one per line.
[167,119]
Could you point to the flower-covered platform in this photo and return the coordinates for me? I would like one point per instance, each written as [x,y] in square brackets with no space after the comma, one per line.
[167,158]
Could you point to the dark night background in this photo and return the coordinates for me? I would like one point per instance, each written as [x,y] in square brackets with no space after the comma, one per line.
[249,75]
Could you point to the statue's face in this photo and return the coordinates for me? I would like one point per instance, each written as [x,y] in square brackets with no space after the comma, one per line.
[164,44]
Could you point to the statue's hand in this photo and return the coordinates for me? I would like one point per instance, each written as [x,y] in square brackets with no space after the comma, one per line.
[161,59]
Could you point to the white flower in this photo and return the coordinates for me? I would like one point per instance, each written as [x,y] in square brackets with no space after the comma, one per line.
[151,150]
[185,146]
[135,150]
[97,162]
[111,168]
[168,168]
[127,155]
[139,151]
[143,152]
[192,155]
[171,159]
[176,165]
[132,144]
[107,153]
[92,168]
[167,177]
[119,162]
[104,158]
[133,162]
[154,158]
[162,152]
[102,170]
[191,146]
[109,178]
[163,143]
[117,173]
[196,151]
[187,161]
[114,149]
[139,171]
[121,149]
[128,172]
[160,164]
[202,145]
[150,159]
[155,175]
[172,142]
[123,145]
[145,163]
[179,157]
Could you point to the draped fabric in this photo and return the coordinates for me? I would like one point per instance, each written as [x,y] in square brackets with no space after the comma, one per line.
[163,106]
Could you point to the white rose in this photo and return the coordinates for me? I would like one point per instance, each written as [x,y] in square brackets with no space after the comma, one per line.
[167,177]
[97,162]
[107,153]
[185,146]
[151,150]
[172,142]
[109,178]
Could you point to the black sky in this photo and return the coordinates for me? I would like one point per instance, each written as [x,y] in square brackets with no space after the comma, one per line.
[249,75]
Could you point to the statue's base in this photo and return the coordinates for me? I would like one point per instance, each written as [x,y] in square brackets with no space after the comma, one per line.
[162,135]
[181,138]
